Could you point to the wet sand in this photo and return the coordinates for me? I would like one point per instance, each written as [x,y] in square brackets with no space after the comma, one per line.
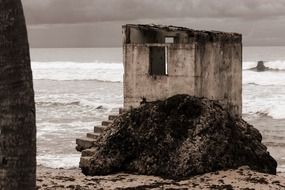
[242,178]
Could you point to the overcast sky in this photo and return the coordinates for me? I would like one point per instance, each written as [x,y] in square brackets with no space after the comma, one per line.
[91,23]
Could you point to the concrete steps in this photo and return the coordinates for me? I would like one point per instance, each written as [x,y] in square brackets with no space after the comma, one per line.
[85,161]
[93,135]
[112,117]
[88,152]
[106,123]
[85,144]
[99,129]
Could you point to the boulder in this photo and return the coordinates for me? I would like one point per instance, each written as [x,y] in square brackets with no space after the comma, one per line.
[176,138]
[260,67]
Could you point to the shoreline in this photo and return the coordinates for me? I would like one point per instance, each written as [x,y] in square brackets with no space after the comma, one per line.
[241,178]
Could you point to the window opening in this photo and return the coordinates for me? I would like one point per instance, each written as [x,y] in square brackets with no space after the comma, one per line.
[158,60]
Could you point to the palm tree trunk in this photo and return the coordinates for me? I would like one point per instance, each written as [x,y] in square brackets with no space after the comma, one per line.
[17,107]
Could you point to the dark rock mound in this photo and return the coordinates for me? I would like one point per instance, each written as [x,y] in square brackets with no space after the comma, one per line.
[260,67]
[176,138]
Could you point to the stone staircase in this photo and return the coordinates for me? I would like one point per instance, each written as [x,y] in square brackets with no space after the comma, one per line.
[86,143]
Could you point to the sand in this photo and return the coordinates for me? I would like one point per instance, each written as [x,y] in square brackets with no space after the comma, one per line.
[242,178]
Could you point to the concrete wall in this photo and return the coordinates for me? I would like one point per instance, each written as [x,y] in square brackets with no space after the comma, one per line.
[139,83]
[200,63]
[218,69]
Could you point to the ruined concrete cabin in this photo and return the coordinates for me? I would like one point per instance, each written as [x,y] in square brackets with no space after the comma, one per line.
[161,61]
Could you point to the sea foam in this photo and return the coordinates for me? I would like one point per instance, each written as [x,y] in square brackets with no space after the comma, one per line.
[263,78]
[275,76]
[269,104]
[65,161]
[275,65]
[112,72]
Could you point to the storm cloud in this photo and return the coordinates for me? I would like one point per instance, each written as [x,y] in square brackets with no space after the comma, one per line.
[78,11]
[89,23]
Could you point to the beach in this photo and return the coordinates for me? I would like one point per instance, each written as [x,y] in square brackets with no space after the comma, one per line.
[241,178]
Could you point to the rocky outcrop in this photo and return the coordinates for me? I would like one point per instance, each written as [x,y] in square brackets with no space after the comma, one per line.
[260,67]
[176,138]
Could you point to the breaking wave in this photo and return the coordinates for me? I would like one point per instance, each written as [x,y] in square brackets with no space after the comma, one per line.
[278,65]
[264,101]
[106,72]
[263,78]
[82,103]
[76,103]
[66,161]
[274,76]
[275,112]
[113,72]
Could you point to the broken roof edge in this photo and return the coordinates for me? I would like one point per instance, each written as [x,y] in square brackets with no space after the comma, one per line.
[172,28]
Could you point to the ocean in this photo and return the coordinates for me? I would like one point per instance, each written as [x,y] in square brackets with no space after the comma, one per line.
[76,89]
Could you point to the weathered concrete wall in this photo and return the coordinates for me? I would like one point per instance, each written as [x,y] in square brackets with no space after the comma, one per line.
[200,63]
[218,69]
[138,83]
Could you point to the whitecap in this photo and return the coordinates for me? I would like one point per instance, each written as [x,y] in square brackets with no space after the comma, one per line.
[277,65]
[65,161]
[263,78]
[112,72]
